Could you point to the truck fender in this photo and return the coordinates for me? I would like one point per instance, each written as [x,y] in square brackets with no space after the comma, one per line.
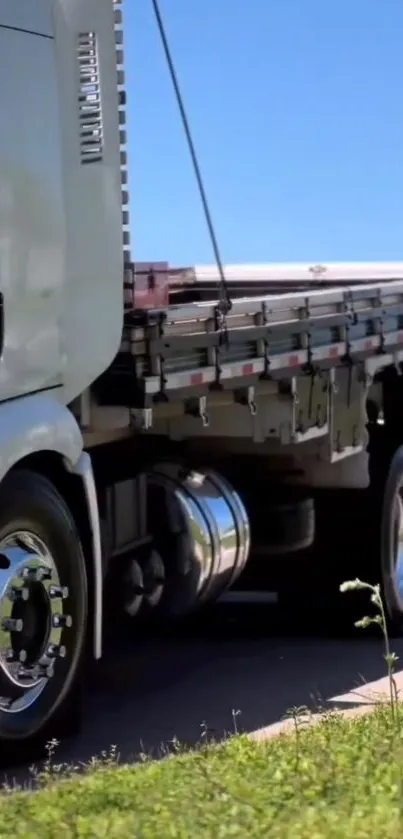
[83,469]
[38,423]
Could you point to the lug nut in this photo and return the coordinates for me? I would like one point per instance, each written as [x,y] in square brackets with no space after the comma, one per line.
[62,621]
[37,671]
[13,656]
[27,674]
[19,594]
[55,651]
[46,671]
[37,575]
[12,625]
[58,592]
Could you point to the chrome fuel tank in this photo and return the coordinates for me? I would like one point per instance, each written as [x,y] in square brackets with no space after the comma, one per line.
[202,534]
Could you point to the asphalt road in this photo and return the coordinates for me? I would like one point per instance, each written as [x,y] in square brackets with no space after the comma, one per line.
[148,692]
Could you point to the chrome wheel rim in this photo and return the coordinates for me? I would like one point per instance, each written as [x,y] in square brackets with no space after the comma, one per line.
[32,620]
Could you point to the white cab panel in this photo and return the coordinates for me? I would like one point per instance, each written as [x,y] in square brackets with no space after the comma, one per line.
[93,298]
[31,212]
[31,15]
[37,423]
[61,249]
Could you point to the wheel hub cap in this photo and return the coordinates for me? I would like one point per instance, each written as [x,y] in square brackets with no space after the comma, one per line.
[32,620]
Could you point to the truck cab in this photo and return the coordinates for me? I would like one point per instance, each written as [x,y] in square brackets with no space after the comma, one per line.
[62,198]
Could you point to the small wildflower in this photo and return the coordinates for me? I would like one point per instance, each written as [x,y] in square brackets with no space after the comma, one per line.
[353,585]
[364,623]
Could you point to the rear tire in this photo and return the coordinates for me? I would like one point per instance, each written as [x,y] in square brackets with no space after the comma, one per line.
[35,519]
[391,540]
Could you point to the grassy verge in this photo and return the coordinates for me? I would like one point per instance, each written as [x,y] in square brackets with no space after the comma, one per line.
[340,779]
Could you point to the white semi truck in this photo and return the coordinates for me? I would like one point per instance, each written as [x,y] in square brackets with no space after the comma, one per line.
[163,431]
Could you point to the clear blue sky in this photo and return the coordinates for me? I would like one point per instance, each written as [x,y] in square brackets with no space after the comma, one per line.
[297,112]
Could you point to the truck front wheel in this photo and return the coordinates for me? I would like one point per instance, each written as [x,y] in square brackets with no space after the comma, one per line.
[43,615]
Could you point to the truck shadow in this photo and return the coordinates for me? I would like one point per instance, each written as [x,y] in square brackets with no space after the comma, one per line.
[239,671]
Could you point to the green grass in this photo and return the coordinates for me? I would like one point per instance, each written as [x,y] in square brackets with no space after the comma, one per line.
[340,779]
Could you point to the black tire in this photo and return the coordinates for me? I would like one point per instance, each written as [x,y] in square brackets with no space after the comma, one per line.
[29,502]
[356,537]
[391,491]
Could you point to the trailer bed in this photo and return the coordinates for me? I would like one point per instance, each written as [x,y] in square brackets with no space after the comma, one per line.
[295,320]
[199,283]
